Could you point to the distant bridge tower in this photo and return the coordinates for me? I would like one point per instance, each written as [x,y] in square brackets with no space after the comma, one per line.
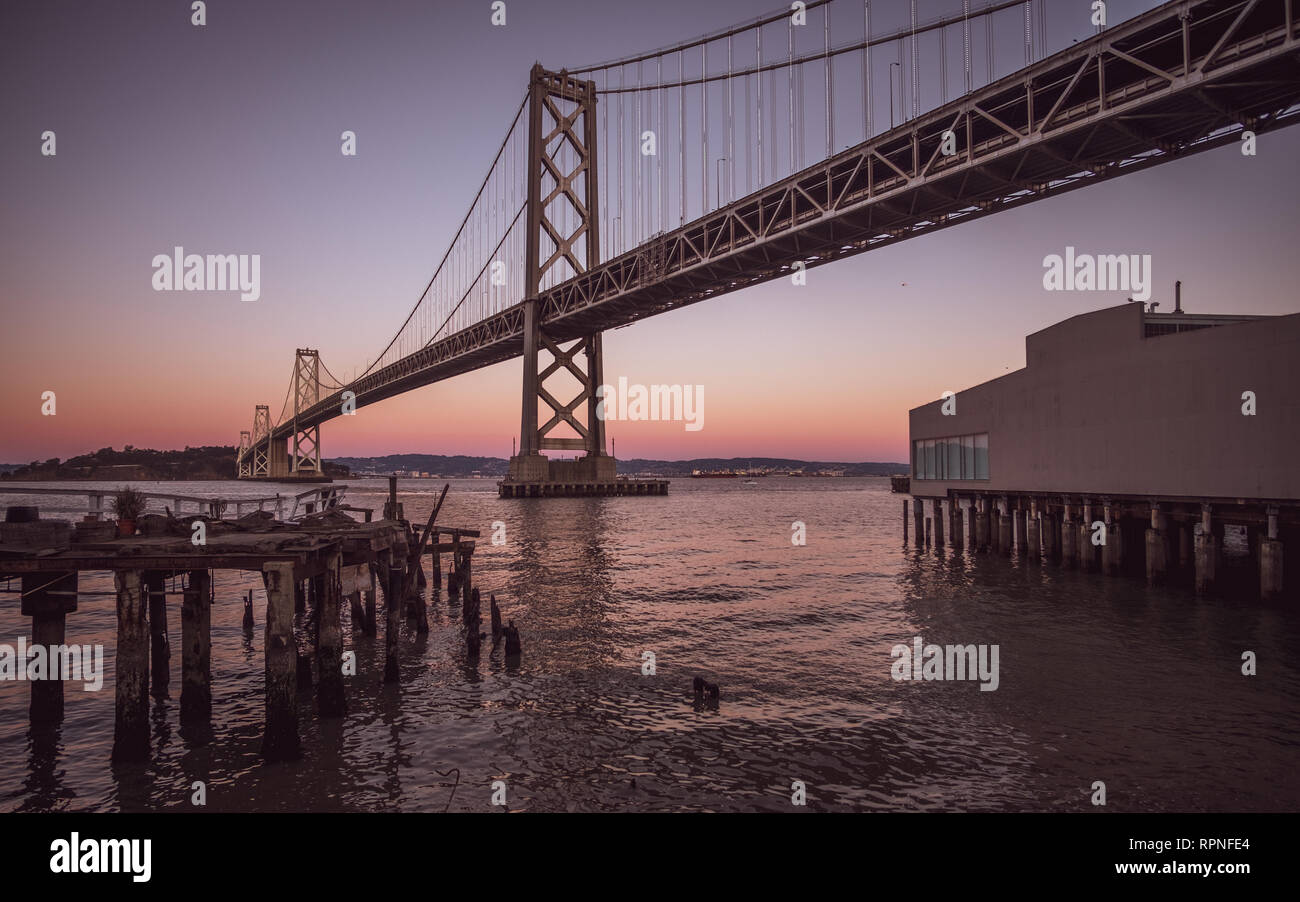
[244,457]
[261,442]
[304,456]
[561,136]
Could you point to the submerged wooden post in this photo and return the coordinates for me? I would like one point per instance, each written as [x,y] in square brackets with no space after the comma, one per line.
[131,721]
[938,523]
[904,521]
[329,644]
[436,587]
[393,592]
[196,647]
[918,520]
[155,583]
[358,613]
[372,623]
[49,630]
[280,740]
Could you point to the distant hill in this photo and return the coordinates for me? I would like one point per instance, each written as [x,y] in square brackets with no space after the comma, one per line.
[460,465]
[131,463]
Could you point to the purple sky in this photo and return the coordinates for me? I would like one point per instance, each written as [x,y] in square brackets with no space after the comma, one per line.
[225,139]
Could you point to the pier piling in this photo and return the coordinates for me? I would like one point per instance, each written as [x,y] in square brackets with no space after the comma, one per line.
[329,646]
[131,720]
[155,582]
[1033,531]
[196,647]
[280,740]
[49,629]
[938,523]
[1157,562]
[393,594]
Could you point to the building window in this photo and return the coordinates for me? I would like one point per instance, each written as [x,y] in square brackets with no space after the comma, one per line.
[955,458]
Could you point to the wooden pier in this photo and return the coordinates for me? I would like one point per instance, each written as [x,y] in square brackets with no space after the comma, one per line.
[323,558]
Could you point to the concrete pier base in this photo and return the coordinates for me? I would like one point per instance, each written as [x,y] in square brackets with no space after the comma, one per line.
[1270,567]
[1157,565]
[329,645]
[1004,529]
[918,521]
[955,524]
[280,739]
[1087,550]
[131,716]
[1069,539]
[1033,536]
[1206,557]
[1020,530]
[196,647]
[983,526]
[1112,553]
[938,523]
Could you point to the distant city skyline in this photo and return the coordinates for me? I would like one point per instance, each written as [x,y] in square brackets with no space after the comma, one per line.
[224,139]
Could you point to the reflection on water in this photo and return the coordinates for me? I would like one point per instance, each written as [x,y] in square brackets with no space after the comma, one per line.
[1100,679]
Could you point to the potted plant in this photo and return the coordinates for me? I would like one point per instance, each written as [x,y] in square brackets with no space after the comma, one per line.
[128,505]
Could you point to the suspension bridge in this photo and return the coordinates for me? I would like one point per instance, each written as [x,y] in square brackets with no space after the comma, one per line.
[632,187]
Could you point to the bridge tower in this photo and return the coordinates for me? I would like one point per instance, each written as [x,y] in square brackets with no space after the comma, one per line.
[304,457]
[244,457]
[261,441]
[561,114]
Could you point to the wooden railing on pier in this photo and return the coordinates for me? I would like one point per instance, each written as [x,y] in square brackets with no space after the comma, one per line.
[308,502]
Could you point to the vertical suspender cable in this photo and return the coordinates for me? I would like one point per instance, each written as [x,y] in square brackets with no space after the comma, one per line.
[731,130]
[965,24]
[830,84]
[915,63]
[681,132]
[789,84]
[866,70]
[759,76]
[662,212]
[988,40]
[1029,40]
[704,129]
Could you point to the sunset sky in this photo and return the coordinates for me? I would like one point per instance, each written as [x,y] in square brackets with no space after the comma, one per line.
[225,139]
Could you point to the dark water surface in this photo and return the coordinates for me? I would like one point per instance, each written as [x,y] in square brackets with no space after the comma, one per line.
[1100,678]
